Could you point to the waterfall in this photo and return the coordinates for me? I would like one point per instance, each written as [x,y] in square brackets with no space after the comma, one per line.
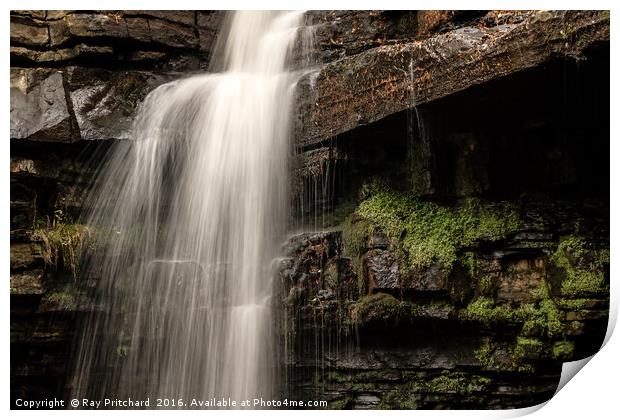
[189,215]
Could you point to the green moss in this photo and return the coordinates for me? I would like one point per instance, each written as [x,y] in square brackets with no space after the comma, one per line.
[405,396]
[364,387]
[354,241]
[380,307]
[542,318]
[340,404]
[62,240]
[425,233]
[486,285]
[468,260]
[530,346]
[336,377]
[457,382]
[563,349]
[584,267]
[574,304]
[400,398]
[485,311]
[485,354]
[372,186]
[385,309]
[62,300]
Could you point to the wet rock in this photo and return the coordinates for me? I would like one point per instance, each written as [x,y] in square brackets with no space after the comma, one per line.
[172,35]
[382,271]
[22,256]
[519,280]
[63,54]
[28,283]
[39,110]
[329,242]
[38,14]
[432,279]
[87,25]
[138,29]
[430,20]
[342,33]
[51,15]
[41,167]
[105,101]
[171,29]
[381,81]
[208,26]
[23,210]
[378,239]
[178,16]
[28,34]
[325,294]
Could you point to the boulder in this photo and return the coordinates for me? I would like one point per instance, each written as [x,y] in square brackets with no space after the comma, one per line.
[382,271]
[105,101]
[430,279]
[39,110]
[28,34]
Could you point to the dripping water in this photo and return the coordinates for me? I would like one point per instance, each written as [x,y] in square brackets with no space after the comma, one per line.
[192,210]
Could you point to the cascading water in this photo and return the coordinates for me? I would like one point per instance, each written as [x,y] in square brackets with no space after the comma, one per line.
[191,212]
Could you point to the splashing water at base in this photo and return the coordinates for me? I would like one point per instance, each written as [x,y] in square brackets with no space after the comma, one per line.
[192,211]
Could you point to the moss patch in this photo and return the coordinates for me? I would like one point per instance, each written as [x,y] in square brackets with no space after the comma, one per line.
[340,404]
[540,319]
[62,240]
[563,350]
[511,359]
[400,398]
[457,382]
[60,301]
[584,267]
[355,234]
[425,233]
[380,308]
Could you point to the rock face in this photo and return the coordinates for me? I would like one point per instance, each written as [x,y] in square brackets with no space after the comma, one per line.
[81,75]
[104,101]
[424,345]
[70,35]
[446,106]
[366,87]
[39,110]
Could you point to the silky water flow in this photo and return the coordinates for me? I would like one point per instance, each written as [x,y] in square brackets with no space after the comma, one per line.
[188,216]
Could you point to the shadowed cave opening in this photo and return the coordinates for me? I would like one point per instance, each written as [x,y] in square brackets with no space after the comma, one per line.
[542,132]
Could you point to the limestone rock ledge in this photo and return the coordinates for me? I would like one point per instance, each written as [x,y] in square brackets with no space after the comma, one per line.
[381,81]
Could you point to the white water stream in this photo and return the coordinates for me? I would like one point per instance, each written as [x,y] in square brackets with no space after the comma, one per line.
[193,209]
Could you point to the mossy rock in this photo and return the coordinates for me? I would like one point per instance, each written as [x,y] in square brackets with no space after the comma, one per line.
[585,267]
[424,233]
[563,350]
[542,318]
[380,308]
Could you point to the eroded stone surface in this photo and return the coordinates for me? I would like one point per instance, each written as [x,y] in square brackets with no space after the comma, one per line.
[366,87]
[105,101]
[39,109]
